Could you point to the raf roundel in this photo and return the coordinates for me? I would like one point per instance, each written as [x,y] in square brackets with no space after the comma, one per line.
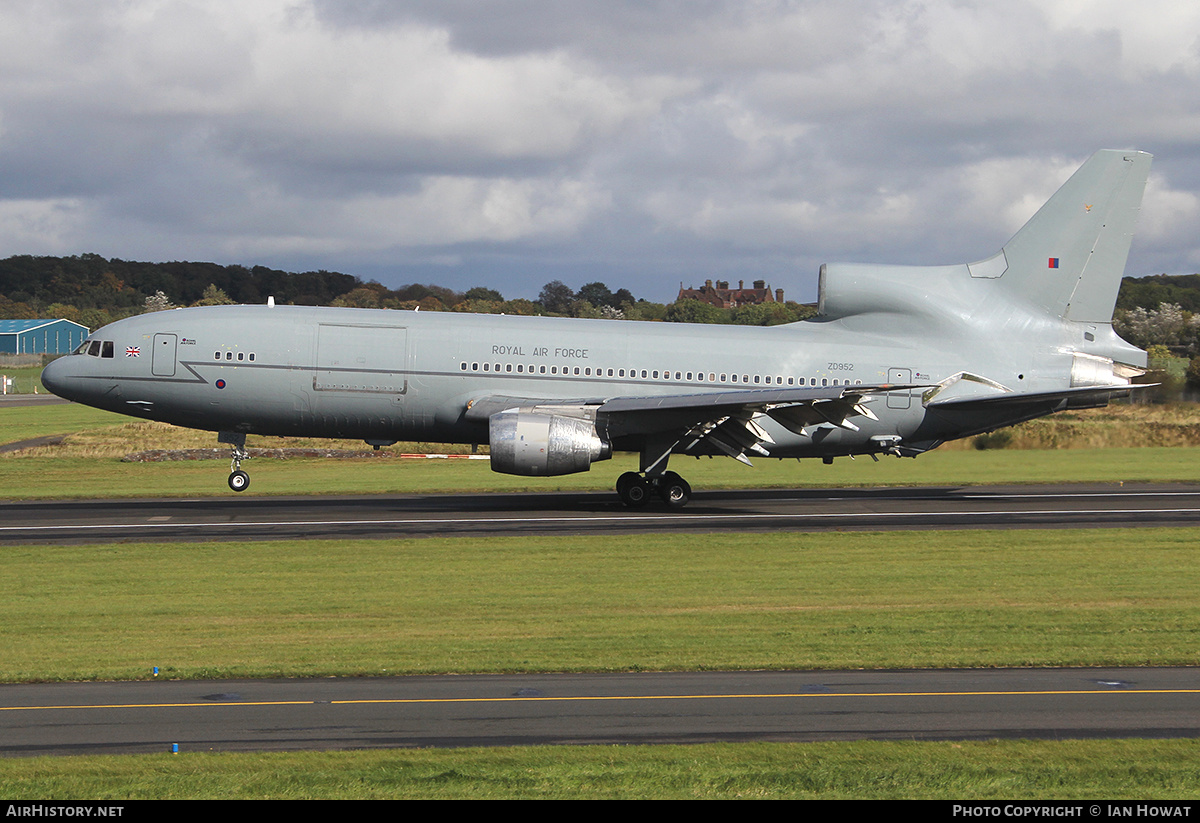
[220,384]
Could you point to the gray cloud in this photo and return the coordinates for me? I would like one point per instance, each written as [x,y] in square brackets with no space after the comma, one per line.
[641,143]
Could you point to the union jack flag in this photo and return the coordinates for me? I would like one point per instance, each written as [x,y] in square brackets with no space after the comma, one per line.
[133,351]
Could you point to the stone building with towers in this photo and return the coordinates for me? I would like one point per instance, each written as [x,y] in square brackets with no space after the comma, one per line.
[721,296]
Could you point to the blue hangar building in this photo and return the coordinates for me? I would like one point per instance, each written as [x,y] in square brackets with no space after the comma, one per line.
[40,336]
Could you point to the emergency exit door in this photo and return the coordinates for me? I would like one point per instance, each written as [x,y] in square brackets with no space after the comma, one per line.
[901,399]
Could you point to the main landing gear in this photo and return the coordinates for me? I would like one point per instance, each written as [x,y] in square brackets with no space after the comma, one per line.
[635,490]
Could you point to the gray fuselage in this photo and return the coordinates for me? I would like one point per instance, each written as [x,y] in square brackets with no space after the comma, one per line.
[401,375]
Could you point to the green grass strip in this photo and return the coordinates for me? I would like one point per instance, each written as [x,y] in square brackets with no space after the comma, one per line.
[57,478]
[76,469]
[650,602]
[25,422]
[998,770]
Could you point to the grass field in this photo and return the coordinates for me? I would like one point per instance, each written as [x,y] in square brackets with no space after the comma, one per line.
[25,379]
[994,770]
[627,603]
[55,477]
[87,463]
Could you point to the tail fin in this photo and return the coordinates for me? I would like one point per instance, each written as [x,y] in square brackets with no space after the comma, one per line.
[1069,258]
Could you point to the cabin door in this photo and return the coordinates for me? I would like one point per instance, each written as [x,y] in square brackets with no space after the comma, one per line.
[163,357]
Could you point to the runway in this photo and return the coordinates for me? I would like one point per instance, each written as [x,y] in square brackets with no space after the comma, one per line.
[526,709]
[798,510]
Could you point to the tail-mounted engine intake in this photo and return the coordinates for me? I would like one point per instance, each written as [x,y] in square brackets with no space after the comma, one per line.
[532,444]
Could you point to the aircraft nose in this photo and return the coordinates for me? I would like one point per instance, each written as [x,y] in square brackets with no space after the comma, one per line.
[57,377]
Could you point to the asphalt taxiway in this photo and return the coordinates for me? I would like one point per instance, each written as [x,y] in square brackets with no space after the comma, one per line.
[524,709]
[385,516]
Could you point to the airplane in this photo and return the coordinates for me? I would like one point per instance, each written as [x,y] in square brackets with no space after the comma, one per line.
[898,360]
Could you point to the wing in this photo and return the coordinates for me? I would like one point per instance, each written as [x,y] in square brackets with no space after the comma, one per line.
[724,422]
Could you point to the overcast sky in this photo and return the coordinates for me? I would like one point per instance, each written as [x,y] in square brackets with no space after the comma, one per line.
[506,144]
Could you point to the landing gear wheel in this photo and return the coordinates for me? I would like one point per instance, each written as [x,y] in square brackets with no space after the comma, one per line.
[633,490]
[239,481]
[674,490]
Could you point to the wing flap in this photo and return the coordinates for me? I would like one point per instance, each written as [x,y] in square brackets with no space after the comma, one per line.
[1084,397]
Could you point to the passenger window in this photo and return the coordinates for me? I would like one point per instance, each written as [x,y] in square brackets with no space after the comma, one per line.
[228,355]
[241,355]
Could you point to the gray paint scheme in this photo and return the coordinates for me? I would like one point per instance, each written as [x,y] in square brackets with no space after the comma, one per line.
[899,360]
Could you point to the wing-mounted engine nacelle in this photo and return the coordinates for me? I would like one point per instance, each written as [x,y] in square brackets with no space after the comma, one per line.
[534,444]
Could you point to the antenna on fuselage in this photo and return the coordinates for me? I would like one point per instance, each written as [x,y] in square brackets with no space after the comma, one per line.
[271,301]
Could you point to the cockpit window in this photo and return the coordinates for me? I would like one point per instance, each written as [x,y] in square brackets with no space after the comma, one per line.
[94,348]
[83,348]
[108,349]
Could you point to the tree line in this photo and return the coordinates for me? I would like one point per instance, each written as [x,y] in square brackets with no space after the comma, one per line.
[94,291]
[1159,310]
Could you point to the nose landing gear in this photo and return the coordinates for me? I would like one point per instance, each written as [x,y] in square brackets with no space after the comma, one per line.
[239,481]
